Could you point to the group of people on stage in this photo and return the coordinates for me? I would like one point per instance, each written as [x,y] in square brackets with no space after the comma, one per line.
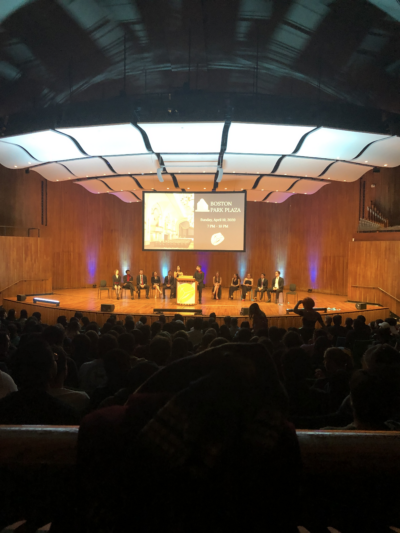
[127,282]
[169,283]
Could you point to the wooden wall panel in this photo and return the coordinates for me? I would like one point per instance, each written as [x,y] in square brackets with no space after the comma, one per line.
[25,258]
[375,264]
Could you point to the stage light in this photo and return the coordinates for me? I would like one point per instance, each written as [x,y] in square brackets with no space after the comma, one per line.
[46,301]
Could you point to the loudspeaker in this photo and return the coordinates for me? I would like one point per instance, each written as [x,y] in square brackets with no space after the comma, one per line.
[107,308]
[361,306]
[244,311]
[21,297]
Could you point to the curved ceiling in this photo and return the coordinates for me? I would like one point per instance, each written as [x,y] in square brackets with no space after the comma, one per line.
[272,162]
[58,51]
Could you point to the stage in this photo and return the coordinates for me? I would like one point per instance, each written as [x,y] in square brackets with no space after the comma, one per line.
[88,301]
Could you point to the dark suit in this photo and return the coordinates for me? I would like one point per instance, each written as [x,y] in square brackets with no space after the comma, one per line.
[199,277]
[281,283]
[128,284]
[172,286]
[139,288]
[263,283]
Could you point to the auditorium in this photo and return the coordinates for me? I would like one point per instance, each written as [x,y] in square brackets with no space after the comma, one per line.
[199,295]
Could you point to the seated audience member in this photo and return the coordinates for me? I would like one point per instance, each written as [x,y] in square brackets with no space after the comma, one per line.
[32,403]
[297,371]
[337,330]
[196,334]
[117,366]
[206,341]
[141,322]
[276,337]
[233,328]
[23,316]
[141,284]
[159,351]
[364,323]
[79,400]
[81,350]
[243,335]
[7,384]
[348,324]
[215,440]
[85,322]
[93,374]
[224,332]
[37,315]
[321,344]
[180,349]
[260,320]
[62,319]
[359,333]
[328,321]
[384,335]
[11,315]
[381,356]
[292,339]
[375,398]
[155,329]
[334,378]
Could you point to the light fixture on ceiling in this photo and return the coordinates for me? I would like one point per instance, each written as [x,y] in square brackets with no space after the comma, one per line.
[159,174]
[220,173]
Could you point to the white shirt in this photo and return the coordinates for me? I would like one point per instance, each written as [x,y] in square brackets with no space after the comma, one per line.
[276,284]
[7,384]
[79,400]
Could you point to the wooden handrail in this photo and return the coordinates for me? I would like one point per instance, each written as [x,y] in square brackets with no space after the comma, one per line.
[12,284]
[377,288]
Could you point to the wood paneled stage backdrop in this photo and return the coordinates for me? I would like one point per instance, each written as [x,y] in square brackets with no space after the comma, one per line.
[85,237]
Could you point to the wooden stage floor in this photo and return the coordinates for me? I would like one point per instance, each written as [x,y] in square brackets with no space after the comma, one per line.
[88,301]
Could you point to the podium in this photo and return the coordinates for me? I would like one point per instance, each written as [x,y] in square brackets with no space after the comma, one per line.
[186,290]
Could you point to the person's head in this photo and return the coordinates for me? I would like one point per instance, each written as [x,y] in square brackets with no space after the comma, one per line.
[362,319]
[140,272]
[117,365]
[143,319]
[155,328]
[217,274]
[178,316]
[180,349]
[206,340]
[53,335]
[308,304]
[328,321]
[160,350]
[348,322]
[213,317]
[37,315]
[245,324]
[248,275]
[243,335]
[162,319]
[277,273]
[78,315]
[169,273]
[128,272]
[189,323]
[11,315]
[198,268]
[274,334]
[262,275]
[178,268]
[127,342]
[116,272]
[236,276]
[106,343]
[234,322]
[23,313]
[35,365]
[292,339]
[227,321]
[381,356]
[336,359]
[375,398]
[224,332]
[337,320]
[254,310]
[358,325]
[154,274]
[85,321]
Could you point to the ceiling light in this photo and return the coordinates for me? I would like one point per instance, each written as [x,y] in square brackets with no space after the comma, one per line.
[167,188]
[385,165]
[225,188]
[204,188]
[365,161]
[15,166]
[188,188]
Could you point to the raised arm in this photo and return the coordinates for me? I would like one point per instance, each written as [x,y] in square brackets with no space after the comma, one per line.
[296,308]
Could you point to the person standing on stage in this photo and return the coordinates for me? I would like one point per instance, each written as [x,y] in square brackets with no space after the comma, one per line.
[117,283]
[141,282]
[156,282]
[217,282]
[277,286]
[199,277]
[128,282]
[262,286]
[169,283]
[235,284]
[247,286]
[178,272]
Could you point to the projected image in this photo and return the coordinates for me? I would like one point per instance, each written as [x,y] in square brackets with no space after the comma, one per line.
[195,221]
